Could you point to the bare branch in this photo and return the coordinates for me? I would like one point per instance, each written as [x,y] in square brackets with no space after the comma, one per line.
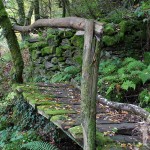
[68,22]
[126,107]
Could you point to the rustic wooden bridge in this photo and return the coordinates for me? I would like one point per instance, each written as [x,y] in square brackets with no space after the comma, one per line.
[61,104]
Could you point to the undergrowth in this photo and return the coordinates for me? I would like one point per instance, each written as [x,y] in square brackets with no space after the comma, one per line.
[20,125]
[125,80]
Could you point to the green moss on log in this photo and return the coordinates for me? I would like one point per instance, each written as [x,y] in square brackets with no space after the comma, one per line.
[58,118]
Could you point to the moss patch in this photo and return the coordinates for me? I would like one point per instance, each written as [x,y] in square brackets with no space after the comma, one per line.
[48,50]
[77,41]
[58,112]
[58,51]
[109,29]
[38,45]
[76,132]
[59,117]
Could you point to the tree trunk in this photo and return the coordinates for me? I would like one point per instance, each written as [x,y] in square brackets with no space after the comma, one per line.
[36,9]
[64,8]
[21,14]
[89,86]
[12,43]
[29,15]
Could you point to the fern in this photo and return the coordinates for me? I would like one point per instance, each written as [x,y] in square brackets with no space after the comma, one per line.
[72,70]
[39,145]
[60,76]
[145,75]
[128,84]
[128,60]
[135,65]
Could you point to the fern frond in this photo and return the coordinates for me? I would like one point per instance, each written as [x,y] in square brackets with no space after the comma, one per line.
[39,145]
[128,60]
[135,65]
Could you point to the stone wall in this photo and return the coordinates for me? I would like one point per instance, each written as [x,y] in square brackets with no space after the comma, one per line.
[53,52]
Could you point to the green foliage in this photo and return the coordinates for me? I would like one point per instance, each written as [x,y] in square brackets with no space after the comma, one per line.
[143,11]
[73,70]
[117,78]
[18,126]
[147,58]
[144,98]
[77,41]
[66,75]
[60,76]
[109,29]
[39,145]
[48,50]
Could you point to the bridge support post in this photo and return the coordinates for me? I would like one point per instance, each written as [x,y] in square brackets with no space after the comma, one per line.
[91,55]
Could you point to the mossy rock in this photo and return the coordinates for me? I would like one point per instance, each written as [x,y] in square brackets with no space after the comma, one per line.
[48,50]
[34,54]
[66,47]
[109,29]
[67,54]
[78,59]
[77,41]
[61,59]
[53,40]
[55,68]
[54,60]
[59,51]
[123,26]
[38,46]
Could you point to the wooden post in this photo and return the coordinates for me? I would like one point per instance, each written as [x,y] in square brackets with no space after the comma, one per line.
[89,86]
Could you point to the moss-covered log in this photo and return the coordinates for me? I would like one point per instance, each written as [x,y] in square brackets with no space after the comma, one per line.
[12,43]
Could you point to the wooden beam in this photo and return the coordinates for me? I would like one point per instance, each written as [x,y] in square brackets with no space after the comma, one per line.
[89,86]
[68,22]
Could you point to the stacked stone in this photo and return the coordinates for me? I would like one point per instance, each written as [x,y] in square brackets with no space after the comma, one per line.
[56,51]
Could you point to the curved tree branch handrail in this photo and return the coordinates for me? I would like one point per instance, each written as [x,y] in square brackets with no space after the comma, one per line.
[68,22]
[126,107]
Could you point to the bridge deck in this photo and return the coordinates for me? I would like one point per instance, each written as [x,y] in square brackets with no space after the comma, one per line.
[61,104]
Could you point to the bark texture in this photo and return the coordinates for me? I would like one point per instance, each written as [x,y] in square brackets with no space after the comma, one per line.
[68,22]
[89,86]
[12,43]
